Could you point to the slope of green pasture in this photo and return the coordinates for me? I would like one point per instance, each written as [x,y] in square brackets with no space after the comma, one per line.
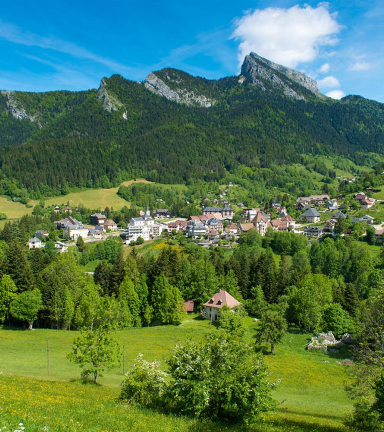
[311,392]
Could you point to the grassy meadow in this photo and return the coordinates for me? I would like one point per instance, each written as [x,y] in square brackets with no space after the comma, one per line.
[91,198]
[311,392]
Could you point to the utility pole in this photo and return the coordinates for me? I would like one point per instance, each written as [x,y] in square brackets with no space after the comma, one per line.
[48,369]
[123,359]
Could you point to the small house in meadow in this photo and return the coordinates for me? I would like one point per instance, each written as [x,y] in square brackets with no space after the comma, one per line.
[219,300]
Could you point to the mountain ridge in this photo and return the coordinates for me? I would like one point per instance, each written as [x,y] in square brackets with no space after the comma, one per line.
[192,128]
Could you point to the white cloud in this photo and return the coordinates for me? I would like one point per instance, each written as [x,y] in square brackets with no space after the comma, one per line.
[325,68]
[328,82]
[336,94]
[287,36]
[360,65]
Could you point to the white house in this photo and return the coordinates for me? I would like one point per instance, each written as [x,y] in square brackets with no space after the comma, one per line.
[214,304]
[311,215]
[35,243]
[110,225]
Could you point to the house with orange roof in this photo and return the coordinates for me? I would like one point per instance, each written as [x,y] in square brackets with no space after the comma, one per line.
[217,302]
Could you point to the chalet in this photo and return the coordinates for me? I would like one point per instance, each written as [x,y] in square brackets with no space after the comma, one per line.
[57,209]
[162,214]
[313,231]
[35,243]
[213,234]
[68,209]
[286,223]
[178,225]
[232,229]
[311,215]
[360,196]
[366,218]
[318,200]
[110,225]
[219,300]
[331,205]
[329,226]
[97,219]
[367,203]
[64,223]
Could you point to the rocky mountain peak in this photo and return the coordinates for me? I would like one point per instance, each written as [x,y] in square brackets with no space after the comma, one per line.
[15,108]
[110,102]
[172,86]
[264,73]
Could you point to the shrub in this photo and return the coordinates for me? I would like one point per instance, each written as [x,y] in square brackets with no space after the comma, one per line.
[144,384]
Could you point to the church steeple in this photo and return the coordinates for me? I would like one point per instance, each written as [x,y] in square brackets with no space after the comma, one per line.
[147,213]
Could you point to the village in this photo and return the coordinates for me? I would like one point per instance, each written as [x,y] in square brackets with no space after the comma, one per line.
[315,216]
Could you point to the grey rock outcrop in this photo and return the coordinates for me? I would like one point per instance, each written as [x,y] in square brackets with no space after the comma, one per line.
[15,108]
[110,103]
[179,95]
[258,69]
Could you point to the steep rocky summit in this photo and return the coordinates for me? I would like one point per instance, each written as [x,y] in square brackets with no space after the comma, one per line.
[110,102]
[265,74]
[172,86]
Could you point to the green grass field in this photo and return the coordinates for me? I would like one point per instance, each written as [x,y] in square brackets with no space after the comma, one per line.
[311,393]
[13,210]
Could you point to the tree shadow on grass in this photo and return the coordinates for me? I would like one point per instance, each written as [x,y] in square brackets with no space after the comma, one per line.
[266,426]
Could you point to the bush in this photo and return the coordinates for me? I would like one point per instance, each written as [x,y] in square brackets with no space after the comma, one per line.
[144,384]
[221,378]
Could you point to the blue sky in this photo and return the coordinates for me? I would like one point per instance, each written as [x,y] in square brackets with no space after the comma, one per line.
[55,45]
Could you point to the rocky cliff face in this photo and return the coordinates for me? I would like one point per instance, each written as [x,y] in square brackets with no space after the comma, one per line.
[261,72]
[110,103]
[15,108]
[179,93]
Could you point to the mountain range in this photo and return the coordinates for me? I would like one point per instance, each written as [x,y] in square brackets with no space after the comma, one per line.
[174,127]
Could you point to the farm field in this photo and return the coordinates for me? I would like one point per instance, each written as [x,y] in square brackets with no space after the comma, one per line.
[13,210]
[91,198]
[311,393]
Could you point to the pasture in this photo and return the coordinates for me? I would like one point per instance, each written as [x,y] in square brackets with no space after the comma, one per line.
[311,392]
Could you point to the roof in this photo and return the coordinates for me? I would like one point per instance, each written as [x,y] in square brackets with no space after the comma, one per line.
[161,211]
[222,298]
[247,226]
[99,215]
[34,240]
[311,212]
[260,218]
[110,222]
[339,215]
[188,305]
[212,209]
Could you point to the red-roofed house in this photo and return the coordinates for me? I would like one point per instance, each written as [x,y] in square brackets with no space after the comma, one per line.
[220,299]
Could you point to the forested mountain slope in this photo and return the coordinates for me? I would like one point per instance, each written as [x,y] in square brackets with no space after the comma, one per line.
[174,127]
